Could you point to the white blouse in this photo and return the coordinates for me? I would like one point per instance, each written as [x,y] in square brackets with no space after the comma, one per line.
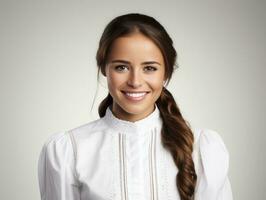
[113,159]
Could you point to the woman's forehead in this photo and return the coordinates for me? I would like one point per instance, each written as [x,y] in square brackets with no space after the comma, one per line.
[135,47]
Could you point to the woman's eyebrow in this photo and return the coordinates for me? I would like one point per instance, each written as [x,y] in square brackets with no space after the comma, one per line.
[144,63]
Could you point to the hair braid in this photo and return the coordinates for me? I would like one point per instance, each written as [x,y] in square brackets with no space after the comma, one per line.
[178,138]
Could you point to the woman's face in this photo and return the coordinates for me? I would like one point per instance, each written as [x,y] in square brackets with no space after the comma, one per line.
[135,75]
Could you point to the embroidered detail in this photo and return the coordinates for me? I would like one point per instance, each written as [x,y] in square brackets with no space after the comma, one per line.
[123,172]
[166,176]
[152,165]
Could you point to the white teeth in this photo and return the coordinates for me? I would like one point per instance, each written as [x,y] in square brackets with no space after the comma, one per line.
[136,94]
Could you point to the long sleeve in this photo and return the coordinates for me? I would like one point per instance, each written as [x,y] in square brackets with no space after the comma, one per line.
[215,184]
[56,169]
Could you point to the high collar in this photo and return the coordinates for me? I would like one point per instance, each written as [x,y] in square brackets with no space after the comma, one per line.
[141,126]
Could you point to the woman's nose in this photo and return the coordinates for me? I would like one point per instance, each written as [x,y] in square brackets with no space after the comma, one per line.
[134,79]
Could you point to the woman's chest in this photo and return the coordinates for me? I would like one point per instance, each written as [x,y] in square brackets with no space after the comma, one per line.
[122,167]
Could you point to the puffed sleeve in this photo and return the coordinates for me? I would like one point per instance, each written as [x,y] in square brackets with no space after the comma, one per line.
[215,184]
[56,169]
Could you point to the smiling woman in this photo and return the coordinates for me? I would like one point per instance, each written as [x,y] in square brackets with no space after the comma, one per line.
[141,147]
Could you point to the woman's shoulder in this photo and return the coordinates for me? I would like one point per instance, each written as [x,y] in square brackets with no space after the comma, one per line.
[55,139]
[212,154]
[62,137]
[210,139]
[65,138]
[89,128]
[56,143]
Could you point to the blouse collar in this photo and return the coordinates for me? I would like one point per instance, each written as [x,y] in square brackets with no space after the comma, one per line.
[140,126]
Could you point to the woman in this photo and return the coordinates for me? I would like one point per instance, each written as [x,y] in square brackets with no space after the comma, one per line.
[141,147]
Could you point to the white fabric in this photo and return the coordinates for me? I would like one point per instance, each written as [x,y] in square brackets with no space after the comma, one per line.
[85,163]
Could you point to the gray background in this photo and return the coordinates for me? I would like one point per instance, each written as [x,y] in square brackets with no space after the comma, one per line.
[48,79]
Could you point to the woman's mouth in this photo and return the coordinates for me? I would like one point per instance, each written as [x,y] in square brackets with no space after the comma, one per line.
[135,96]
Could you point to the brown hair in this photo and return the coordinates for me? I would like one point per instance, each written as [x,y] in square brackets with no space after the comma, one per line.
[177,136]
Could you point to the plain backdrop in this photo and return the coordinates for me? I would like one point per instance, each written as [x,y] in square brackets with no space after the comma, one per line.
[48,79]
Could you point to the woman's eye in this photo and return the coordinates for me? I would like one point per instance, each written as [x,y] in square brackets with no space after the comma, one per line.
[150,68]
[120,67]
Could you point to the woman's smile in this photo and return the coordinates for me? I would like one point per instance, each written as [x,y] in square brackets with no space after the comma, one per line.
[135,96]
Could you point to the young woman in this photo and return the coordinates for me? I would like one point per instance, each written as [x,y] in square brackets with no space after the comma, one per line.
[141,148]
